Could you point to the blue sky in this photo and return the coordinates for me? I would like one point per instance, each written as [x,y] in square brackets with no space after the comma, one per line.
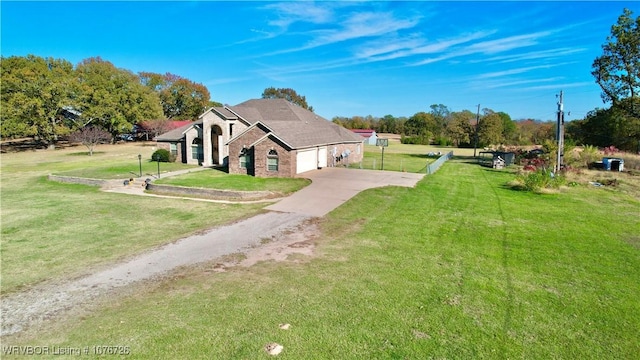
[348,58]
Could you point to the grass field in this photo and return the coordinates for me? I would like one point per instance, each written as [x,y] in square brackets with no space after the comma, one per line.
[403,157]
[459,267]
[51,229]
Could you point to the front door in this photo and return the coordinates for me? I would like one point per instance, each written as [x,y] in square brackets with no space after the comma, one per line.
[216,134]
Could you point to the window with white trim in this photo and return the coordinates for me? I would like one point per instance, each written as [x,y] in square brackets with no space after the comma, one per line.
[272,160]
[245,159]
[197,152]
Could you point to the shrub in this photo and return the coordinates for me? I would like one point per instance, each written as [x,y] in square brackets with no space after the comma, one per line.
[442,141]
[162,155]
[588,155]
[419,140]
[541,179]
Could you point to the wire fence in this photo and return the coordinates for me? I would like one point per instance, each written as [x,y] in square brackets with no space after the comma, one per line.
[434,166]
[413,163]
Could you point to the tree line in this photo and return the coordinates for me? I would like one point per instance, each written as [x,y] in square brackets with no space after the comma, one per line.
[616,71]
[46,98]
[444,127]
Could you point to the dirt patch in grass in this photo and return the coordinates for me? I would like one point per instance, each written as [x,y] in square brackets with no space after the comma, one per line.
[634,241]
[287,246]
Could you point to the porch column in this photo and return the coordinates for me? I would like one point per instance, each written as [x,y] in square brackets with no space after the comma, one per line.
[206,145]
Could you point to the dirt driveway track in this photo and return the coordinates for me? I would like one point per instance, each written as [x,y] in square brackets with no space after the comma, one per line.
[330,188]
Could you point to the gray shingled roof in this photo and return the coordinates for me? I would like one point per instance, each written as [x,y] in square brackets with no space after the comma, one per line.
[297,126]
[178,133]
[222,111]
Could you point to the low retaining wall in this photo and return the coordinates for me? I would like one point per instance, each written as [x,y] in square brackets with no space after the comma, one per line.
[209,193]
[77,180]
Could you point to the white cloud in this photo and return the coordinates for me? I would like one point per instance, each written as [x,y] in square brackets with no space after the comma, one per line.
[543,54]
[290,12]
[411,47]
[561,86]
[508,43]
[499,84]
[516,71]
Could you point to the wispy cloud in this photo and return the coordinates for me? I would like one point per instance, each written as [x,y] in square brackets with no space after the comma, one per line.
[491,46]
[362,25]
[533,55]
[493,84]
[560,86]
[508,43]
[290,12]
[415,46]
[355,26]
[516,71]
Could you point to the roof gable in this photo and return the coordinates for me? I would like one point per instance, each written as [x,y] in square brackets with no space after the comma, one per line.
[294,125]
[177,134]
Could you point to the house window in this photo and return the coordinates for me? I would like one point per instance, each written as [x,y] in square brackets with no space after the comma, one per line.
[272,161]
[196,149]
[245,159]
[173,147]
[230,130]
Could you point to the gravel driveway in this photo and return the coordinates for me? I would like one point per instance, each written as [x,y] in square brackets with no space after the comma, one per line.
[329,189]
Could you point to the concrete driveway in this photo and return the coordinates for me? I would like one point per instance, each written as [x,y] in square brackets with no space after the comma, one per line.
[331,187]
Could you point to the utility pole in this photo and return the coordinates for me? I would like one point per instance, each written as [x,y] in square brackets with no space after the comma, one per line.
[560,134]
[475,143]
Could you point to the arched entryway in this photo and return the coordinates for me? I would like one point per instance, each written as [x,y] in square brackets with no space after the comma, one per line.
[216,140]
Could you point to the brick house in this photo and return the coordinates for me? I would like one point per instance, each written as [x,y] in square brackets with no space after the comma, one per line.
[263,137]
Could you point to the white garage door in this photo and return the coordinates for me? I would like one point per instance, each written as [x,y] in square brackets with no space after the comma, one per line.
[306,160]
[322,157]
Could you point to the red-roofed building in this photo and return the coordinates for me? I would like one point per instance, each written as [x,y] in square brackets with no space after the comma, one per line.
[152,128]
[369,135]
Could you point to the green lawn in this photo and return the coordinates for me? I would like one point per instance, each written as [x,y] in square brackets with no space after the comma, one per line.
[403,157]
[460,267]
[216,179]
[51,229]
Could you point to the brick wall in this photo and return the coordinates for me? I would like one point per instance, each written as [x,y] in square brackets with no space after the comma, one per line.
[286,158]
[237,145]
[355,156]
[286,167]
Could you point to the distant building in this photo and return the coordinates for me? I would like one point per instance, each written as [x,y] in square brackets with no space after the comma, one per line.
[263,137]
[369,135]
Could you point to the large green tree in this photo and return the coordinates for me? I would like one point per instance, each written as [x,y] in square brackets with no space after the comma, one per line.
[490,128]
[180,98]
[605,127]
[459,128]
[441,115]
[34,92]
[114,98]
[509,128]
[286,93]
[388,124]
[617,70]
